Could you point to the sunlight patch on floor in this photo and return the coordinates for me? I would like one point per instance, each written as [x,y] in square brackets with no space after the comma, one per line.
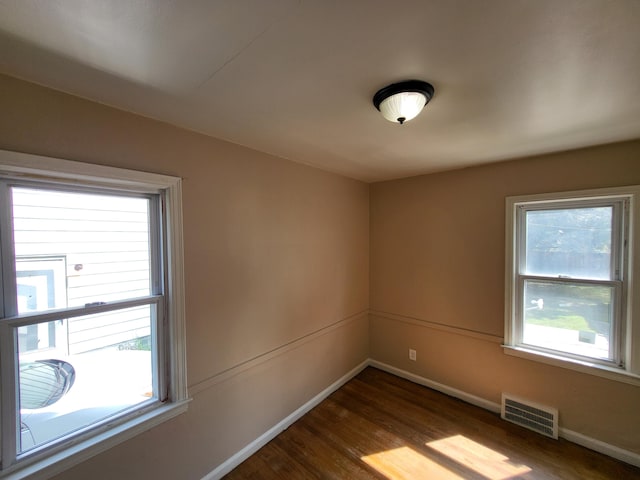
[405,463]
[475,456]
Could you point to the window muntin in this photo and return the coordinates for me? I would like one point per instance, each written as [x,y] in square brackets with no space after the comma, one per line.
[567,276]
[29,326]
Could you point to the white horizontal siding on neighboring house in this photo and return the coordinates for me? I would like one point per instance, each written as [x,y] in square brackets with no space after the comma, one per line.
[104,241]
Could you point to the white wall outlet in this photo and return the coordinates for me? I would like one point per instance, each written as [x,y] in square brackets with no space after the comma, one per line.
[412,354]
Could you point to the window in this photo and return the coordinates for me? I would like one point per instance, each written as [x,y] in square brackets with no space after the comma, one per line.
[569,270]
[91,307]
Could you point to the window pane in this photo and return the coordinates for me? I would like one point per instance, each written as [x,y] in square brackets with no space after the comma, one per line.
[570,318]
[78,248]
[572,242]
[105,368]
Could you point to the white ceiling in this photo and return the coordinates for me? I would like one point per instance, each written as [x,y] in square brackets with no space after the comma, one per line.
[295,78]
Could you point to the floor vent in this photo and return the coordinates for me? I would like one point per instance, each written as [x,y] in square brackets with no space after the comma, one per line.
[535,417]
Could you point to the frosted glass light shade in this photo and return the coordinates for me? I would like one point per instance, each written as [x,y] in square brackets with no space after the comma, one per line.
[403,106]
[400,102]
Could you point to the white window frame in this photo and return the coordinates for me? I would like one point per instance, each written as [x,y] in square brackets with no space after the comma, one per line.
[50,461]
[626,367]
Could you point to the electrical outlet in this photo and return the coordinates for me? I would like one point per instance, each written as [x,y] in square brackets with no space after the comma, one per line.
[412,354]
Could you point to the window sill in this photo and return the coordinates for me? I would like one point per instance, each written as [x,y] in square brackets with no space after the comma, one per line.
[610,373]
[76,453]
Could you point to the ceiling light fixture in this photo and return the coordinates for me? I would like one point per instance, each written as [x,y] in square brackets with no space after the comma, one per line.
[400,102]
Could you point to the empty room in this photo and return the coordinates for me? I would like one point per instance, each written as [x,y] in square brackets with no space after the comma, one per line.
[319,239]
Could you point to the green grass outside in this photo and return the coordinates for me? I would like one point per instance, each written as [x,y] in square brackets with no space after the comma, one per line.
[569,322]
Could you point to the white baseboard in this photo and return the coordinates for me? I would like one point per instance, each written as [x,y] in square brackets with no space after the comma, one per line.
[235,460]
[591,443]
[232,462]
[440,387]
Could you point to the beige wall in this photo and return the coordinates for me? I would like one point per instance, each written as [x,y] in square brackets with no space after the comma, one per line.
[437,257]
[277,275]
[276,265]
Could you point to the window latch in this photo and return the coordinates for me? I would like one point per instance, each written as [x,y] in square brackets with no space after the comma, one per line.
[94,304]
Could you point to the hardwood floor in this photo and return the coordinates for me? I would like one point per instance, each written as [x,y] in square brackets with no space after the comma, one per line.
[379,426]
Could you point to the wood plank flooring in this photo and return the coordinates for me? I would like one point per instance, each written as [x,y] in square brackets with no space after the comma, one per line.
[379,426]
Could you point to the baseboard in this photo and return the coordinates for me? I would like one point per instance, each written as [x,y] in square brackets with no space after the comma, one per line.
[591,443]
[235,460]
[440,387]
[575,437]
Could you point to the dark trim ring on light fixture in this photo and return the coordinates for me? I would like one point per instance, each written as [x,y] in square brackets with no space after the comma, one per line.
[408,86]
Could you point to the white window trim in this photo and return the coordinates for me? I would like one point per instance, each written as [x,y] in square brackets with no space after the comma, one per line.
[67,455]
[631,372]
